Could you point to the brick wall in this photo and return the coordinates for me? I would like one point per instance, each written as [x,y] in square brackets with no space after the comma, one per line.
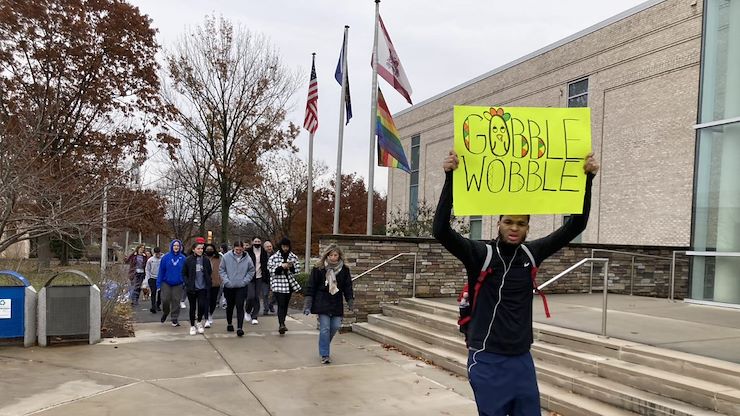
[643,78]
[439,274]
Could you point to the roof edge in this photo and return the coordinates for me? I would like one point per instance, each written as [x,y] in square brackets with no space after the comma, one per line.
[625,14]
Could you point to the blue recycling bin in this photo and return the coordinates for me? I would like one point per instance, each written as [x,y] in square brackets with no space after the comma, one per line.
[17,310]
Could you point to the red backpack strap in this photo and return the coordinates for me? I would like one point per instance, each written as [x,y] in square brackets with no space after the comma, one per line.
[484,271]
[534,279]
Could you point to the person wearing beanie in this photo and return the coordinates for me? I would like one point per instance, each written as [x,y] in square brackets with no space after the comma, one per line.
[283,265]
[329,285]
[197,277]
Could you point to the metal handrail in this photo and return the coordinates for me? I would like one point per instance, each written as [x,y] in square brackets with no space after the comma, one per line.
[413,293]
[632,263]
[591,260]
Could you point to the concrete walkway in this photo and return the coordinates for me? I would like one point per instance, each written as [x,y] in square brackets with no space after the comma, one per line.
[164,371]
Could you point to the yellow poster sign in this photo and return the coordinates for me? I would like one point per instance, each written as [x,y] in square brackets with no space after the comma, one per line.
[520,160]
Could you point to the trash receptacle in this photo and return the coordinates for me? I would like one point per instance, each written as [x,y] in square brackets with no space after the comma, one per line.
[17,310]
[69,312]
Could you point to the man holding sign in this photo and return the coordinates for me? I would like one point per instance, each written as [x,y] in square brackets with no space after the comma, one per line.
[501,273]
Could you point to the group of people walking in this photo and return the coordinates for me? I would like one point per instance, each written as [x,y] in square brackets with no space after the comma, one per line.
[244,275]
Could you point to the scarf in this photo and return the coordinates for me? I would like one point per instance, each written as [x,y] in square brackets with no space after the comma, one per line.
[331,275]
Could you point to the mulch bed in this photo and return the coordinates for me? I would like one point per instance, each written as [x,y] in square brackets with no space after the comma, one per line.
[118,324]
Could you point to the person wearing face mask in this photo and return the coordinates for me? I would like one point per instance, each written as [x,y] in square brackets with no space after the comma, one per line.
[170,283]
[283,266]
[501,282]
[236,271]
[214,292]
[329,285]
[256,287]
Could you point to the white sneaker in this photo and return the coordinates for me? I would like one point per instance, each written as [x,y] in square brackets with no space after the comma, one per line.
[247,317]
[255,322]
[183,305]
[193,330]
[209,323]
[200,328]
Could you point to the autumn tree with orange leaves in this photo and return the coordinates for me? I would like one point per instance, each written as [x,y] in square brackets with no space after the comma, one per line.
[79,95]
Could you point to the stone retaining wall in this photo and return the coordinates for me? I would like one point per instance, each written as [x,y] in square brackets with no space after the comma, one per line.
[439,274]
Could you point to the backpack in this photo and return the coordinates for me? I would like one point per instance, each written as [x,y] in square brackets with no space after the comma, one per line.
[467,308]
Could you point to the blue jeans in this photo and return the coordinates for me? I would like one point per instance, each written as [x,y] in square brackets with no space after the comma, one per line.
[328,327]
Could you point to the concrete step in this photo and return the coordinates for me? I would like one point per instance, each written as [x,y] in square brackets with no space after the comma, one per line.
[702,385]
[691,365]
[567,403]
[446,325]
[450,360]
[422,332]
[615,393]
[430,306]
[552,397]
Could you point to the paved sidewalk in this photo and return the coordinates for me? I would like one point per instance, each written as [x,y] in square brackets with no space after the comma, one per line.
[164,371]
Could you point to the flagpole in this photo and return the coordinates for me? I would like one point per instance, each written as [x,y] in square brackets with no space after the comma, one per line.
[338,182]
[373,123]
[309,202]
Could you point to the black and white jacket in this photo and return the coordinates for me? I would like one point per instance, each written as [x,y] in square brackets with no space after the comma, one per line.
[281,280]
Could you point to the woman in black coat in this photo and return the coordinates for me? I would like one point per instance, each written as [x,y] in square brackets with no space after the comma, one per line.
[329,285]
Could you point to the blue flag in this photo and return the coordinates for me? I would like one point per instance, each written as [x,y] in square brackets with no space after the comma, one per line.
[338,76]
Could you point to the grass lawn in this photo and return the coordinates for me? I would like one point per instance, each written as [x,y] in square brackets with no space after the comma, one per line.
[28,269]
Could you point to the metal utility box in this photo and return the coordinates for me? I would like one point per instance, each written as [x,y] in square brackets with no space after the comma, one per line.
[69,312]
[17,310]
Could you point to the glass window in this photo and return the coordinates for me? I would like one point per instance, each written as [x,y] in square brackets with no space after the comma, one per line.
[717,214]
[476,227]
[413,201]
[414,183]
[578,93]
[721,61]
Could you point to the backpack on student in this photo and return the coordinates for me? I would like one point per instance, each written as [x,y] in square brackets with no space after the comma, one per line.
[467,307]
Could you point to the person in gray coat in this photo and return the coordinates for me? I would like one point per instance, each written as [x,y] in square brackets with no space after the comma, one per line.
[236,271]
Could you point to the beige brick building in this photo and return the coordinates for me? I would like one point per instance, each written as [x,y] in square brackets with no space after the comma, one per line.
[639,74]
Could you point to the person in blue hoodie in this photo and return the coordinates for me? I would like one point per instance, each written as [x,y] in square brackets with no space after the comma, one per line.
[170,281]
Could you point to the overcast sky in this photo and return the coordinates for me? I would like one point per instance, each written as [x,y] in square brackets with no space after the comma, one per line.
[441,44]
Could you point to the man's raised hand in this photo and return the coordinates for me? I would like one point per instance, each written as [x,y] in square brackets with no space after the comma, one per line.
[451,161]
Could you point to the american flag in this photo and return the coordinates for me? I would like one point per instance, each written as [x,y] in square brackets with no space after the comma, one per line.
[311,121]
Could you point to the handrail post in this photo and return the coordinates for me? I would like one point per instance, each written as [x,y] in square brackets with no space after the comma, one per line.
[606,292]
[591,274]
[673,276]
[413,293]
[632,275]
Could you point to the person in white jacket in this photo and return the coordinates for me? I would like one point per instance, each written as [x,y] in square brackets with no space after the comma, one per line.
[151,270]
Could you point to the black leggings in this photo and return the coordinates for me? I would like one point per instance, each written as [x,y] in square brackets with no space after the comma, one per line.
[213,296]
[198,298]
[154,294]
[283,299]
[235,297]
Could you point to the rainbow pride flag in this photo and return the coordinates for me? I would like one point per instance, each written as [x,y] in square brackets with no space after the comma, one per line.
[390,151]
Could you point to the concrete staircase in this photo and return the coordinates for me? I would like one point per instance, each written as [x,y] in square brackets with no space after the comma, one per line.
[578,373]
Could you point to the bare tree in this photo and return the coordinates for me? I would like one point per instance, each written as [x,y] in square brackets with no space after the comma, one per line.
[231,92]
[196,186]
[274,206]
